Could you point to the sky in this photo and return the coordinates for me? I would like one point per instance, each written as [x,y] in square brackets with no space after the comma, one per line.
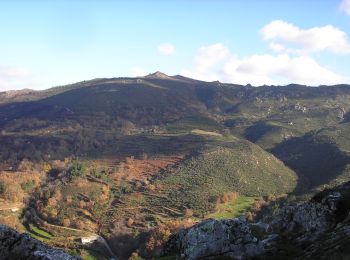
[52,43]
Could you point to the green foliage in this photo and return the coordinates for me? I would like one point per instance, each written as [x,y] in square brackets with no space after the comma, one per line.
[233,209]
[27,186]
[240,166]
[78,169]
[2,187]
[122,189]
[189,123]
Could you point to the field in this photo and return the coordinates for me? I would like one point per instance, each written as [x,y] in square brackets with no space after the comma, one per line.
[233,209]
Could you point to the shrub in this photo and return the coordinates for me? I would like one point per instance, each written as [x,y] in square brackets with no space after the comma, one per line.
[26,186]
[76,170]
[188,213]
[229,197]
[2,188]
[130,222]
[66,222]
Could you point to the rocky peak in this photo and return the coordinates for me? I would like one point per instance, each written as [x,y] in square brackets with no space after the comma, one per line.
[158,75]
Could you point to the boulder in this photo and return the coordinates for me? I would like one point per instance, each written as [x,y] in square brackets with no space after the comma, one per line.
[14,245]
[213,238]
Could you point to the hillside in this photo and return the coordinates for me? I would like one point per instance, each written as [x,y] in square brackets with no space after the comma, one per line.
[135,159]
[237,166]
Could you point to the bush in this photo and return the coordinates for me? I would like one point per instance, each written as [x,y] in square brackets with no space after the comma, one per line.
[229,197]
[27,186]
[77,170]
[188,213]
[2,188]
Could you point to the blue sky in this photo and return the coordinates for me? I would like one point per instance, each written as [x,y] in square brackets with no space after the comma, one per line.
[50,43]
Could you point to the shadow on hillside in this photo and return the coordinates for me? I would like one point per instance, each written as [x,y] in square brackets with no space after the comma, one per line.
[258,130]
[123,245]
[316,160]
[346,118]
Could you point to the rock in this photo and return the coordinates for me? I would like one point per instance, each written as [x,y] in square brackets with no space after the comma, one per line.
[14,245]
[210,238]
[303,217]
[332,200]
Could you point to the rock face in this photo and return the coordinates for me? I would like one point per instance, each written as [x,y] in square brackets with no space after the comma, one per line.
[14,245]
[230,238]
[319,228]
[303,217]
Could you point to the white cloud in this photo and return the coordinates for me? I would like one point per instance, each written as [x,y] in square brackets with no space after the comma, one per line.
[137,72]
[215,62]
[16,78]
[345,6]
[166,49]
[207,62]
[208,56]
[284,36]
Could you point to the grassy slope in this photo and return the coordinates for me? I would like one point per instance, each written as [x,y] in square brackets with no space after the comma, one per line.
[233,209]
[237,166]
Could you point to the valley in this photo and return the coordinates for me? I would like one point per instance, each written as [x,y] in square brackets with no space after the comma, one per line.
[131,161]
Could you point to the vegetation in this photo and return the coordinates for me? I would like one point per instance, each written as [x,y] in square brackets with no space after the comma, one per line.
[233,209]
[2,188]
[239,166]
[134,159]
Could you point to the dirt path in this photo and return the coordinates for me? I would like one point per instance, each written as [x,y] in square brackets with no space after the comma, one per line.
[93,237]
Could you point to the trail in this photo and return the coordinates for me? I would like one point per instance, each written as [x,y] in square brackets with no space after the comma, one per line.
[85,234]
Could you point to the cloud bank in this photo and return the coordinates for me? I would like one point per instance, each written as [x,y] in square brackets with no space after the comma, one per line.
[291,62]
[283,36]
[15,78]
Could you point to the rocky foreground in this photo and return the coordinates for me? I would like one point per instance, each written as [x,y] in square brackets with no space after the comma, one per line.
[317,228]
[14,245]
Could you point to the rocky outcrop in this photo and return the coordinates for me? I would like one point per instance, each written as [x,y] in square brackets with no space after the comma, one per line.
[230,238]
[14,245]
[317,228]
[303,217]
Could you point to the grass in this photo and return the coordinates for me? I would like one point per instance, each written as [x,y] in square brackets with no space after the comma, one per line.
[92,255]
[235,166]
[233,209]
[189,123]
[38,233]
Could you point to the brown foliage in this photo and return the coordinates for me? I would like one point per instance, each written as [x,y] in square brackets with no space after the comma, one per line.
[188,213]
[82,204]
[228,197]
[130,222]
[160,235]
[25,165]
[52,202]
[13,181]
[249,216]
[66,222]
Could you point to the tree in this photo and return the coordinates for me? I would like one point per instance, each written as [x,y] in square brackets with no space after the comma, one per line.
[77,170]
[2,188]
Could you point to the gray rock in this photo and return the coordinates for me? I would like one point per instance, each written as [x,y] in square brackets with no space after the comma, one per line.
[304,217]
[210,238]
[14,245]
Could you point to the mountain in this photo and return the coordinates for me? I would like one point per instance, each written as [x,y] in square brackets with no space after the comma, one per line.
[81,118]
[135,159]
